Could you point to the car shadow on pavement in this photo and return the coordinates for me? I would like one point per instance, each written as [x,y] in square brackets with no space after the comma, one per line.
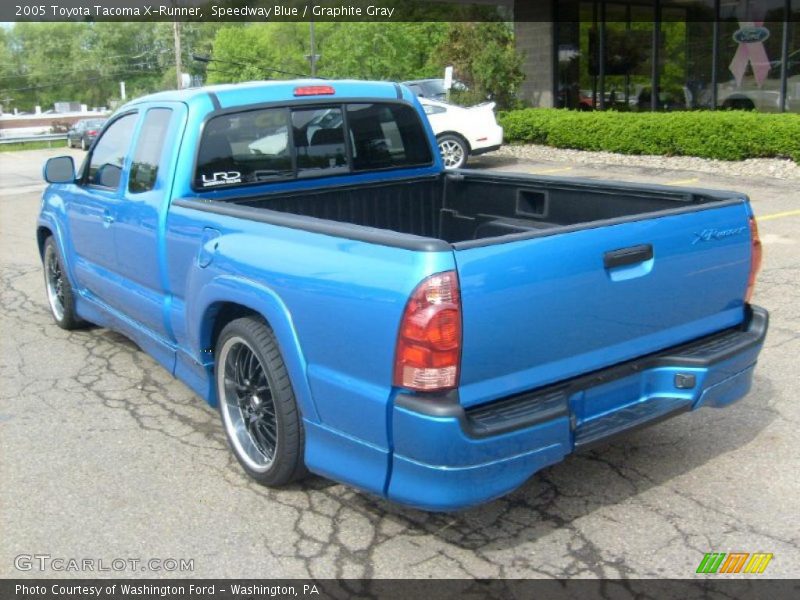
[588,481]
[491,161]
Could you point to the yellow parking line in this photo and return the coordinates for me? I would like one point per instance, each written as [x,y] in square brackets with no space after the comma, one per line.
[545,171]
[788,213]
[683,181]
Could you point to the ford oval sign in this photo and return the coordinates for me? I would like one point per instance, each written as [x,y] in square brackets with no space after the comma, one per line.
[751,35]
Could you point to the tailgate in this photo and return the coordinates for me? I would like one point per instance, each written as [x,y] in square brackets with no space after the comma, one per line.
[543,309]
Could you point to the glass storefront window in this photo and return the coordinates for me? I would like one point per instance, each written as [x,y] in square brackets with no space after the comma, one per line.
[605,55]
[793,60]
[749,55]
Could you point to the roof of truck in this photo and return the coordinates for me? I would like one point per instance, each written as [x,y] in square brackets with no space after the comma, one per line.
[256,92]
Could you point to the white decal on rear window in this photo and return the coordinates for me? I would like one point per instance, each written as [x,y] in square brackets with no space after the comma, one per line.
[222,178]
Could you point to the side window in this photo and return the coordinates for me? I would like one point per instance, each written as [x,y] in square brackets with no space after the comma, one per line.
[149,146]
[245,147]
[108,156]
[386,136]
[319,142]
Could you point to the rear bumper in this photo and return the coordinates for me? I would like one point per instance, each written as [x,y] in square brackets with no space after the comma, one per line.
[489,140]
[447,458]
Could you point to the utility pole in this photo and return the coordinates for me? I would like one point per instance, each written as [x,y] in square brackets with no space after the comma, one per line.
[176,29]
[313,50]
[313,57]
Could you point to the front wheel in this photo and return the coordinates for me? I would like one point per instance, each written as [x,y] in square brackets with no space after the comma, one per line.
[257,403]
[60,295]
[454,150]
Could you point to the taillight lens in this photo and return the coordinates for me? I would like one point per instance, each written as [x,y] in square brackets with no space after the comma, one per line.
[755,258]
[428,352]
[92,132]
[314,90]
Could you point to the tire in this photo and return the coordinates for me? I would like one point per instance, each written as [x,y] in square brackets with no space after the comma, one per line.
[454,150]
[60,296]
[84,146]
[738,104]
[69,143]
[257,404]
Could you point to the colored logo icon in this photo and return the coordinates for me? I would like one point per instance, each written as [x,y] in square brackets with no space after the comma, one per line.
[734,562]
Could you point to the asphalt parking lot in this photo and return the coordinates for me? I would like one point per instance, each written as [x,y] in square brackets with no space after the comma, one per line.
[103,455]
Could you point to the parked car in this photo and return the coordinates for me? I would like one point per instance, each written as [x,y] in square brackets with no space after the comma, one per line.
[433,88]
[84,132]
[462,132]
[356,311]
[767,96]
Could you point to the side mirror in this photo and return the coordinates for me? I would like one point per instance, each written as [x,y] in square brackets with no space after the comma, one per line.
[60,169]
[108,176]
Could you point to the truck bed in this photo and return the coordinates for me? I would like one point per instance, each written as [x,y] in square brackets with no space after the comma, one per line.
[469,208]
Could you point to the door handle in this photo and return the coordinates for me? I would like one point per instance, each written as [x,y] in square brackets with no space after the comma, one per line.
[108,218]
[627,256]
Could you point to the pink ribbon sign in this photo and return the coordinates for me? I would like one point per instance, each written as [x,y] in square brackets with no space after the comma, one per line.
[750,36]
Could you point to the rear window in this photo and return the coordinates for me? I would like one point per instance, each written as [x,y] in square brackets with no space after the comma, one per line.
[319,142]
[385,136]
[261,145]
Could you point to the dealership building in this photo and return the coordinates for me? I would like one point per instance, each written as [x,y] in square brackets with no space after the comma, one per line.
[660,54]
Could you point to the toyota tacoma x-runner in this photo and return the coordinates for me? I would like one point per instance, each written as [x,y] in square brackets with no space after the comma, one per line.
[295,252]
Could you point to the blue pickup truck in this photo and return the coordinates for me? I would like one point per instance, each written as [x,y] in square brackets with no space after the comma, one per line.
[295,253]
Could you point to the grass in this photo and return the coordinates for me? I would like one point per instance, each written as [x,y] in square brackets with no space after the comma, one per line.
[37,145]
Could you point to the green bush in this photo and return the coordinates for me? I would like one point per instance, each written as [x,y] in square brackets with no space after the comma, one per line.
[725,135]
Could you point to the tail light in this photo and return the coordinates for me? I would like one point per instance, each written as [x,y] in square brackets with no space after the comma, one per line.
[314,90]
[428,354]
[755,258]
[92,132]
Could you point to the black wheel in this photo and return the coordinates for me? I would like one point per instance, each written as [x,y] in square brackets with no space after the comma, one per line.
[257,403]
[454,150]
[738,104]
[83,144]
[60,296]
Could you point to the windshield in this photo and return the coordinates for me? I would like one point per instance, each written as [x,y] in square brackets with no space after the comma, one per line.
[433,87]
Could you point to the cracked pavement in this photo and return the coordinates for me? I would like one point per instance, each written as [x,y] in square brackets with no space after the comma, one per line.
[104,455]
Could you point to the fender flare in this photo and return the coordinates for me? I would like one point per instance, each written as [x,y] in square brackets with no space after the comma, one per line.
[45,221]
[261,299]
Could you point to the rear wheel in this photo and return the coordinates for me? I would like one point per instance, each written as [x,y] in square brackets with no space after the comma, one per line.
[454,150]
[60,296]
[257,403]
[83,144]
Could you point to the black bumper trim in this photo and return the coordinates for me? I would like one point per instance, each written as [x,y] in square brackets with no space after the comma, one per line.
[550,402]
[480,151]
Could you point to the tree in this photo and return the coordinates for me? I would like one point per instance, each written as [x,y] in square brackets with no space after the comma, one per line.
[387,51]
[485,58]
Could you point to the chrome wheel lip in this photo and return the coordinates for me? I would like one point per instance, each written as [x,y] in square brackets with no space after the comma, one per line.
[235,418]
[54,282]
[452,153]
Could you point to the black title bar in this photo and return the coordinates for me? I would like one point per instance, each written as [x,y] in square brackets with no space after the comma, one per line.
[382,11]
[706,588]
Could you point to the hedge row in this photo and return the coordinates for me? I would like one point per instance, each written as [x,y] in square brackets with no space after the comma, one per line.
[726,135]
